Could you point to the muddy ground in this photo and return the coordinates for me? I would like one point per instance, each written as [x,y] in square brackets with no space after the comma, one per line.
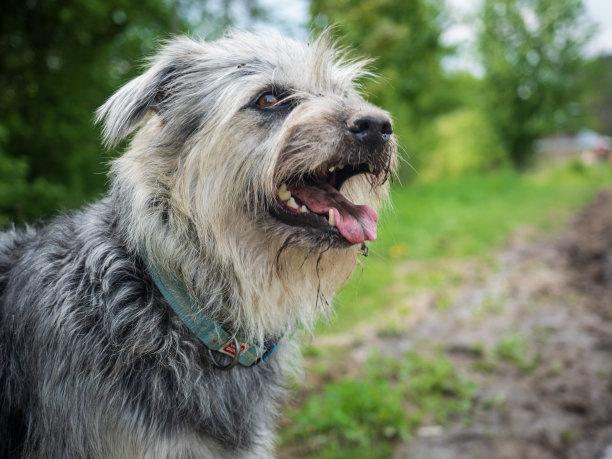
[550,394]
[555,402]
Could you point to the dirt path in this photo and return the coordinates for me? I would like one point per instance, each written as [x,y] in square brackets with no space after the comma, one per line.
[535,333]
[541,329]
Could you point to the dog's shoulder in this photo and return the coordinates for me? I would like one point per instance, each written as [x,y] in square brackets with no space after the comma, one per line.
[13,243]
[70,252]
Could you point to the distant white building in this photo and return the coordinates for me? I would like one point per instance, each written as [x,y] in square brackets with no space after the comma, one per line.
[569,145]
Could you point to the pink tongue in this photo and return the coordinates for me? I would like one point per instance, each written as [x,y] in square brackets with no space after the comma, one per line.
[356,223]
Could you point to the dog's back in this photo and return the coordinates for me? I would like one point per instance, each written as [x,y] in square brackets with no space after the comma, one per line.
[12,426]
[44,311]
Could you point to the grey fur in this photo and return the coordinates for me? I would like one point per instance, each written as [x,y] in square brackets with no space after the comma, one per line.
[93,362]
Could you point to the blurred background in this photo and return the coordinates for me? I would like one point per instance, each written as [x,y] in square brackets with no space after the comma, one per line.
[481,324]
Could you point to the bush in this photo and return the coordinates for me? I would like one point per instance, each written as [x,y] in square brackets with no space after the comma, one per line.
[465,143]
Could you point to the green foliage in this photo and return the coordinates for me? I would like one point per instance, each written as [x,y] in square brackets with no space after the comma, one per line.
[58,64]
[597,78]
[403,38]
[531,51]
[21,198]
[465,143]
[390,399]
[211,17]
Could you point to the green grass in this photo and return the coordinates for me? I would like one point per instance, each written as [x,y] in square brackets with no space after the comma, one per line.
[514,349]
[511,348]
[468,217]
[368,414]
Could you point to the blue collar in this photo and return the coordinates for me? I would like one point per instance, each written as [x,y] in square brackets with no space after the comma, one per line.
[211,333]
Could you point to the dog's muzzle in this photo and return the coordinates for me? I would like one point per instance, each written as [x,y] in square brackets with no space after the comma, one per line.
[314,201]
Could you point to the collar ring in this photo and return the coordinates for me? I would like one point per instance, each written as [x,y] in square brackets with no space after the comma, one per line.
[233,363]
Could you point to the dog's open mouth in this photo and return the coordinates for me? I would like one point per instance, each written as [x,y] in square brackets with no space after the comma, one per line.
[315,201]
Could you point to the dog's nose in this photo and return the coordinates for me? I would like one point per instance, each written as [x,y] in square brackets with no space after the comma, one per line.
[370,128]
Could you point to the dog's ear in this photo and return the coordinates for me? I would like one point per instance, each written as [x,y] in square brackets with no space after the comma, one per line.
[125,109]
[122,112]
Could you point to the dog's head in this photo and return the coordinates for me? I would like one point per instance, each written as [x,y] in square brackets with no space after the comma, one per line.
[249,148]
[261,130]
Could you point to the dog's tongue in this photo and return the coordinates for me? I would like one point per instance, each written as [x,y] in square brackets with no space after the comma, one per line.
[356,223]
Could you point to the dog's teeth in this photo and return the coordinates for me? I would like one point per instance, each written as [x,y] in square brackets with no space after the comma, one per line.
[371,168]
[332,218]
[291,203]
[304,209]
[283,193]
[331,169]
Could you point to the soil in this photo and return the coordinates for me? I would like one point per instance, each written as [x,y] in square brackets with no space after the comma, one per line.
[552,397]
[557,293]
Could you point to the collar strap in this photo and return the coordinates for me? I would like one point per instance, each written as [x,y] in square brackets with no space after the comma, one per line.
[211,333]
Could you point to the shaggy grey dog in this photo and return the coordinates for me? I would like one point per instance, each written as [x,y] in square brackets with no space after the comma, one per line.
[239,208]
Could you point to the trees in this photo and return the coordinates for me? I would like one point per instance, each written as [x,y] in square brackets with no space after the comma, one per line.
[598,85]
[532,54]
[58,63]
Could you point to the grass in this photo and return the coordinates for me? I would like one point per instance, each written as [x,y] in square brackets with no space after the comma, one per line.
[468,217]
[511,348]
[386,403]
[514,349]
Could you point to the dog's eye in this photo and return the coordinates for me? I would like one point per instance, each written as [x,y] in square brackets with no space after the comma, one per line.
[268,100]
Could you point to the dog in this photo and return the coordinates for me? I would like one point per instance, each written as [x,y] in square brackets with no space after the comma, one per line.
[161,321]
